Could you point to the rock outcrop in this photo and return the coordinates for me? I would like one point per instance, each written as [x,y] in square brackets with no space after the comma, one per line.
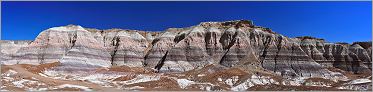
[126,48]
[230,44]
[70,45]
[344,56]
[9,48]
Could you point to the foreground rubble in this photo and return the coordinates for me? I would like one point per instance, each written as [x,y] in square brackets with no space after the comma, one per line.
[49,77]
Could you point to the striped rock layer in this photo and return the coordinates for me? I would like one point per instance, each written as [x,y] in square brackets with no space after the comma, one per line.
[230,44]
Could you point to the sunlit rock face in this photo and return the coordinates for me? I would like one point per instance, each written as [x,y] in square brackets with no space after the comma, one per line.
[211,56]
[340,55]
[237,43]
[9,48]
[71,45]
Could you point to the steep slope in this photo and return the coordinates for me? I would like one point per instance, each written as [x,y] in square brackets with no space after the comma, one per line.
[71,45]
[234,43]
[231,55]
[344,56]
[230,44]
[9,48]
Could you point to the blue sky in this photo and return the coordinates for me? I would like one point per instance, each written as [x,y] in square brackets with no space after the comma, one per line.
[333,21]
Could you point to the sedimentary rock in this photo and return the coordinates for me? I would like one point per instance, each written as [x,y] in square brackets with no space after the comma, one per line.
[9,48]
[71,45]
[230,44]
[235,43]
[344,56]
[159,49]
[232,55]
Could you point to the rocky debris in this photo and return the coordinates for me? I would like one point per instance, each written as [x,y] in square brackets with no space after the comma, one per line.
[357,84]
[320,82]
[209,78]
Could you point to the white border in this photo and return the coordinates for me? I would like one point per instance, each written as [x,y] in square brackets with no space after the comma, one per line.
[185,0]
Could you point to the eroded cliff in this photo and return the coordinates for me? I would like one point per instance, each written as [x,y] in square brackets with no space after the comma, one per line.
[237,43]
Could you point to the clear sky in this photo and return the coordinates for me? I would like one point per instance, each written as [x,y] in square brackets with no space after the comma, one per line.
[333,21]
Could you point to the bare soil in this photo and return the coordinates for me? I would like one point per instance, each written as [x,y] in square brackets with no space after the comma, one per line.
[22,71]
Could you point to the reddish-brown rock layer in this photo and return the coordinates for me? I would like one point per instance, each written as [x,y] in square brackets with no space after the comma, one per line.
[230,44]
